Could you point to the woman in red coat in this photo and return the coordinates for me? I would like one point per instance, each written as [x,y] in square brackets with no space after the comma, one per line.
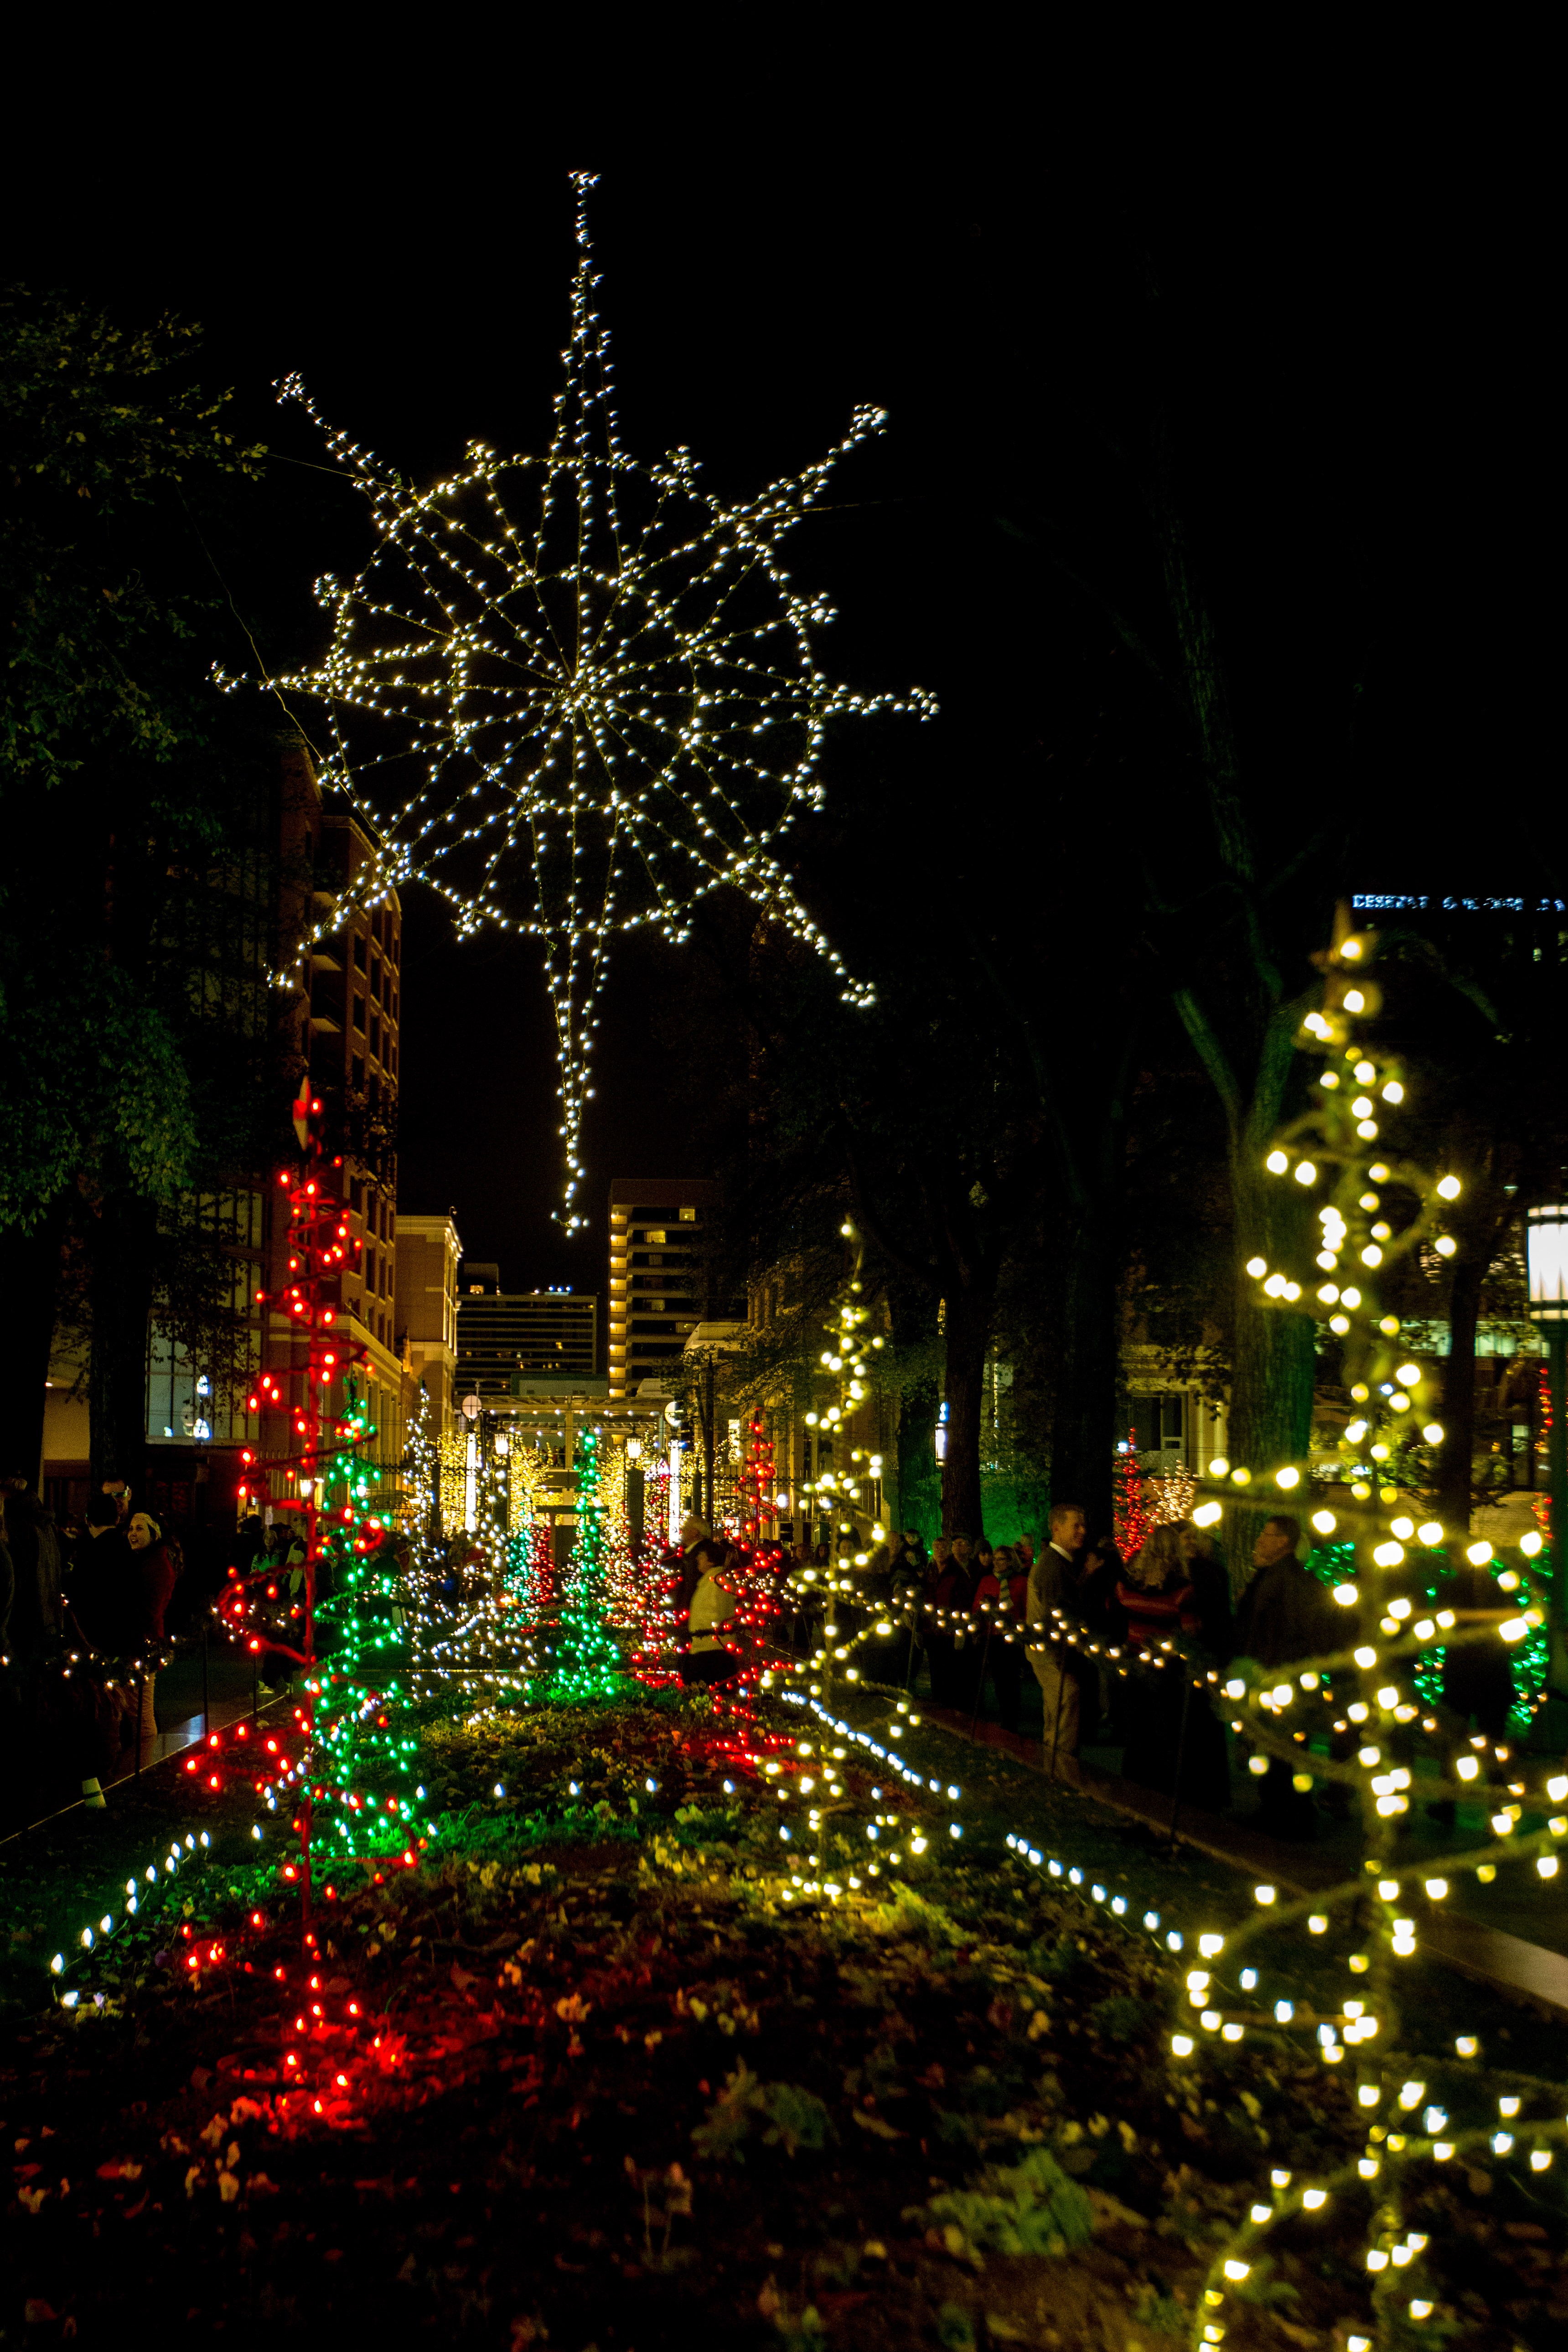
[153,1579]
[1156,1599]
[1003,1597]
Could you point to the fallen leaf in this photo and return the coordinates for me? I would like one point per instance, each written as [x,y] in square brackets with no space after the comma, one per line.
[1109,2209]
[875,2124]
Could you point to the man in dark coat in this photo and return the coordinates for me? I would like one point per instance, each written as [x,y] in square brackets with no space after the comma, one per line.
[102,1589]
[1285,1615]
[37,1610]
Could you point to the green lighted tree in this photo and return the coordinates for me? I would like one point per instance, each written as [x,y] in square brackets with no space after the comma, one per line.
[587,1658]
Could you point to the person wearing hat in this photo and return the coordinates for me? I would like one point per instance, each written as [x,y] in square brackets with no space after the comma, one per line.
[151,1589]
[710,1658]
[688,1575]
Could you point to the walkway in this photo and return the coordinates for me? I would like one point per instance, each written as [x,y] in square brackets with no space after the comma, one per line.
[1478,1949]
[179,1689]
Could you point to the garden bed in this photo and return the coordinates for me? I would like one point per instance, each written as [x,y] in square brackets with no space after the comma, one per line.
[593,2073]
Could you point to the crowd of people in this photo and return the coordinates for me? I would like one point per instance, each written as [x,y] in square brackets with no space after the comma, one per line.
[90,1610]
[103,1598]
[1127,1653]
[84,1628]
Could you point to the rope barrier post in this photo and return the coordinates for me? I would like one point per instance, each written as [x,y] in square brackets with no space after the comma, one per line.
[255,1689]
[1181,1752]
[1061,1686]
[207,1696]
[141,1697]
[980,1685]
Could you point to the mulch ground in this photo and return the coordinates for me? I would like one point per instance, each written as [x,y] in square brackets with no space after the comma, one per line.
[584,2077]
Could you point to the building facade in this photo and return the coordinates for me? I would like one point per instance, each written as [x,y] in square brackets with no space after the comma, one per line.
[354,963]
[507,1334]
[425,1306]
[662,1236]
[229,925]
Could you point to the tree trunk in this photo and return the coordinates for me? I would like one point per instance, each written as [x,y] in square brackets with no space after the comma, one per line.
[1275,1351]
[1083,1420]
[968,1329]
[1455,1458]
[29,1280]
[121,1299]
[1275,1362]
[918,1481]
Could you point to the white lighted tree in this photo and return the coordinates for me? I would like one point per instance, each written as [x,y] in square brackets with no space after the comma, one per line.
[578,692]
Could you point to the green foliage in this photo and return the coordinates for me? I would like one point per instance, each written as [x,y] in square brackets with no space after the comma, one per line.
[1122,2018]
[792,2118]
[1031,2208]
[1264,2291]
[69,1031]
[98,425]
[908,1914]
[1058,1957]
[1158,2310]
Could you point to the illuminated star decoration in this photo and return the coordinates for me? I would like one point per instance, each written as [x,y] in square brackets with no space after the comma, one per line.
[604,678]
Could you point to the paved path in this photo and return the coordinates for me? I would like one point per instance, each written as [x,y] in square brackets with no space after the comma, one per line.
[1487,1953]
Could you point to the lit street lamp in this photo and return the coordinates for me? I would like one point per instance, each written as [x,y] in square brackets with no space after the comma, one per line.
[1546,1249]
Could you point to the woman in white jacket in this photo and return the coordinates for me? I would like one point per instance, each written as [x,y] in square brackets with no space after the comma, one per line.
[710,1658]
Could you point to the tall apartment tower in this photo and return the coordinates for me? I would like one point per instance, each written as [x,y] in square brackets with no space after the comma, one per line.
[502,1334]
[428,1252]
[661,1242]
[227,921]
[355,1009]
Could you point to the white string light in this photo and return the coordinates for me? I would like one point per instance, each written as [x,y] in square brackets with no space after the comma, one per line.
[604,678]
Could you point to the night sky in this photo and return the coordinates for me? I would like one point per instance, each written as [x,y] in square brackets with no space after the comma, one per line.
[1357,347]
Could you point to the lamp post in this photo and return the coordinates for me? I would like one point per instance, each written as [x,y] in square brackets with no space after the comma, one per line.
[1546,1252]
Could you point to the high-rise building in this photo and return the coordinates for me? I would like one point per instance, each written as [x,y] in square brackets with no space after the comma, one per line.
[356,990]
[226,923]
[428,1252]
[661,1243]
[505,1333]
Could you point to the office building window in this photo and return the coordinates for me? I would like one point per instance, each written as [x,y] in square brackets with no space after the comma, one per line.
[359,1069]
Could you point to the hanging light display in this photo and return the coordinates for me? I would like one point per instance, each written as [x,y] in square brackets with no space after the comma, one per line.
[601,679]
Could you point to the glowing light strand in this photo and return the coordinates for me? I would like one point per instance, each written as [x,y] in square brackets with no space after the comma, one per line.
[605,677]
